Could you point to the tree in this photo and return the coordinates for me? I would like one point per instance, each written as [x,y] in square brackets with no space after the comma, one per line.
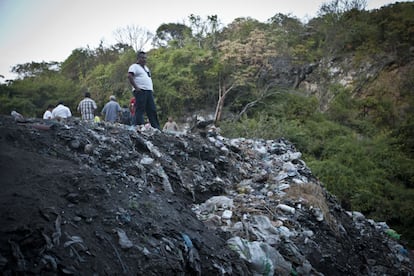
[339,7]
[78,63]
[334,25]
[292,37]
[172,34]
[133,35]
[33,69]
[178,77]
[204,28]
[244,64]
[31,95]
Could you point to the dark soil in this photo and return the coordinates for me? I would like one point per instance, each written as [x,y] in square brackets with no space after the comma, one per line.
[81,199]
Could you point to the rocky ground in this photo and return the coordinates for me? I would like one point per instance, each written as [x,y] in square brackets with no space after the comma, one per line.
[101,199]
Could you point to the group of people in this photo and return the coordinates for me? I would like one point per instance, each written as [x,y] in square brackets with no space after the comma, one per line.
[59,112]
[139,77]
[86,107]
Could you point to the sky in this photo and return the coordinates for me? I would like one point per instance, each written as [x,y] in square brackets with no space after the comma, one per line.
[49,30]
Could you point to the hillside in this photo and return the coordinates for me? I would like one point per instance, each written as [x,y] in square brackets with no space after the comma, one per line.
[101,199]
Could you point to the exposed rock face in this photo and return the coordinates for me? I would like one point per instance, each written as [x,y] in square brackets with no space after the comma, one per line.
[317,79]
[285,73]
[100,199]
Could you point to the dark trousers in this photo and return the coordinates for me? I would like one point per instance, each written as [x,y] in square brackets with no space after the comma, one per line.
[144,103]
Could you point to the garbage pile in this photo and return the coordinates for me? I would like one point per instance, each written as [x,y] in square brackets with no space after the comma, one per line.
[82,198]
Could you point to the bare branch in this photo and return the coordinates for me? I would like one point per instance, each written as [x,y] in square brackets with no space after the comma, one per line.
[134,36]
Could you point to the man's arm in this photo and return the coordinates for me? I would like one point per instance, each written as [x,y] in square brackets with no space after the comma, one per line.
[131,81]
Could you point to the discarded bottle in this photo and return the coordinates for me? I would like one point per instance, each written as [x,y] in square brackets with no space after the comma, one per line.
[393,234]
[17,116]
[286,208]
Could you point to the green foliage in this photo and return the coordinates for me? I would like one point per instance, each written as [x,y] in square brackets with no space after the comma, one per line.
[240,29]
[117,76]
[179,78]
[31,96]
[402,212]
[98,84]
[76,65]
[362,165]
[33,69]
[344,26]
[290,37]
[343,108]
[395,24]
[173,34]
[337,177]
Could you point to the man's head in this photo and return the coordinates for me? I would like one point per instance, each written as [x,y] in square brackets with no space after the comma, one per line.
[142,58]
[112,98]
[87,95]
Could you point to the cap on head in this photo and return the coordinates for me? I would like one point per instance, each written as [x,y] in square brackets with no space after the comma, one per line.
[112,98]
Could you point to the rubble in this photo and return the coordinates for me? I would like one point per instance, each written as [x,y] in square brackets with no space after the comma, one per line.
[95,198]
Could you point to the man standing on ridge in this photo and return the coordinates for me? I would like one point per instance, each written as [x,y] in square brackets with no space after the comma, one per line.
[139,77]
[111,110]
[87,107]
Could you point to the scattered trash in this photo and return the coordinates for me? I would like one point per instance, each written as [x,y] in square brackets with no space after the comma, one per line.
[18,117]
[124,242]
[263,258]
[286,208]
[393,234]
[227,214]
[58,232]
[217,202]
[120,205]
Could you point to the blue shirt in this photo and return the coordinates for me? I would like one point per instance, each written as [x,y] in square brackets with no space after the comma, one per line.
[111,111]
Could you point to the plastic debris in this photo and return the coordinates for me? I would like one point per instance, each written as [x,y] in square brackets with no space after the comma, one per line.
[393,234]
[124,241]
[286,208]
[216,202]
[263,258]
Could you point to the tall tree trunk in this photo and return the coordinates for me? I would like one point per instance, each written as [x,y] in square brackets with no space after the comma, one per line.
[222,96]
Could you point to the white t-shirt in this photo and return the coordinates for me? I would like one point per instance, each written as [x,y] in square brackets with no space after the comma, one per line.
[47,115]
[61,111]
[142,76]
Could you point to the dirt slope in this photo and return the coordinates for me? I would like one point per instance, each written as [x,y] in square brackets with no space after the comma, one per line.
[96,199]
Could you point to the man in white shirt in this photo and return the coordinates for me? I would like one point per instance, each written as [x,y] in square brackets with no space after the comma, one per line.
[61,112]
[48,113]
[139,77]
